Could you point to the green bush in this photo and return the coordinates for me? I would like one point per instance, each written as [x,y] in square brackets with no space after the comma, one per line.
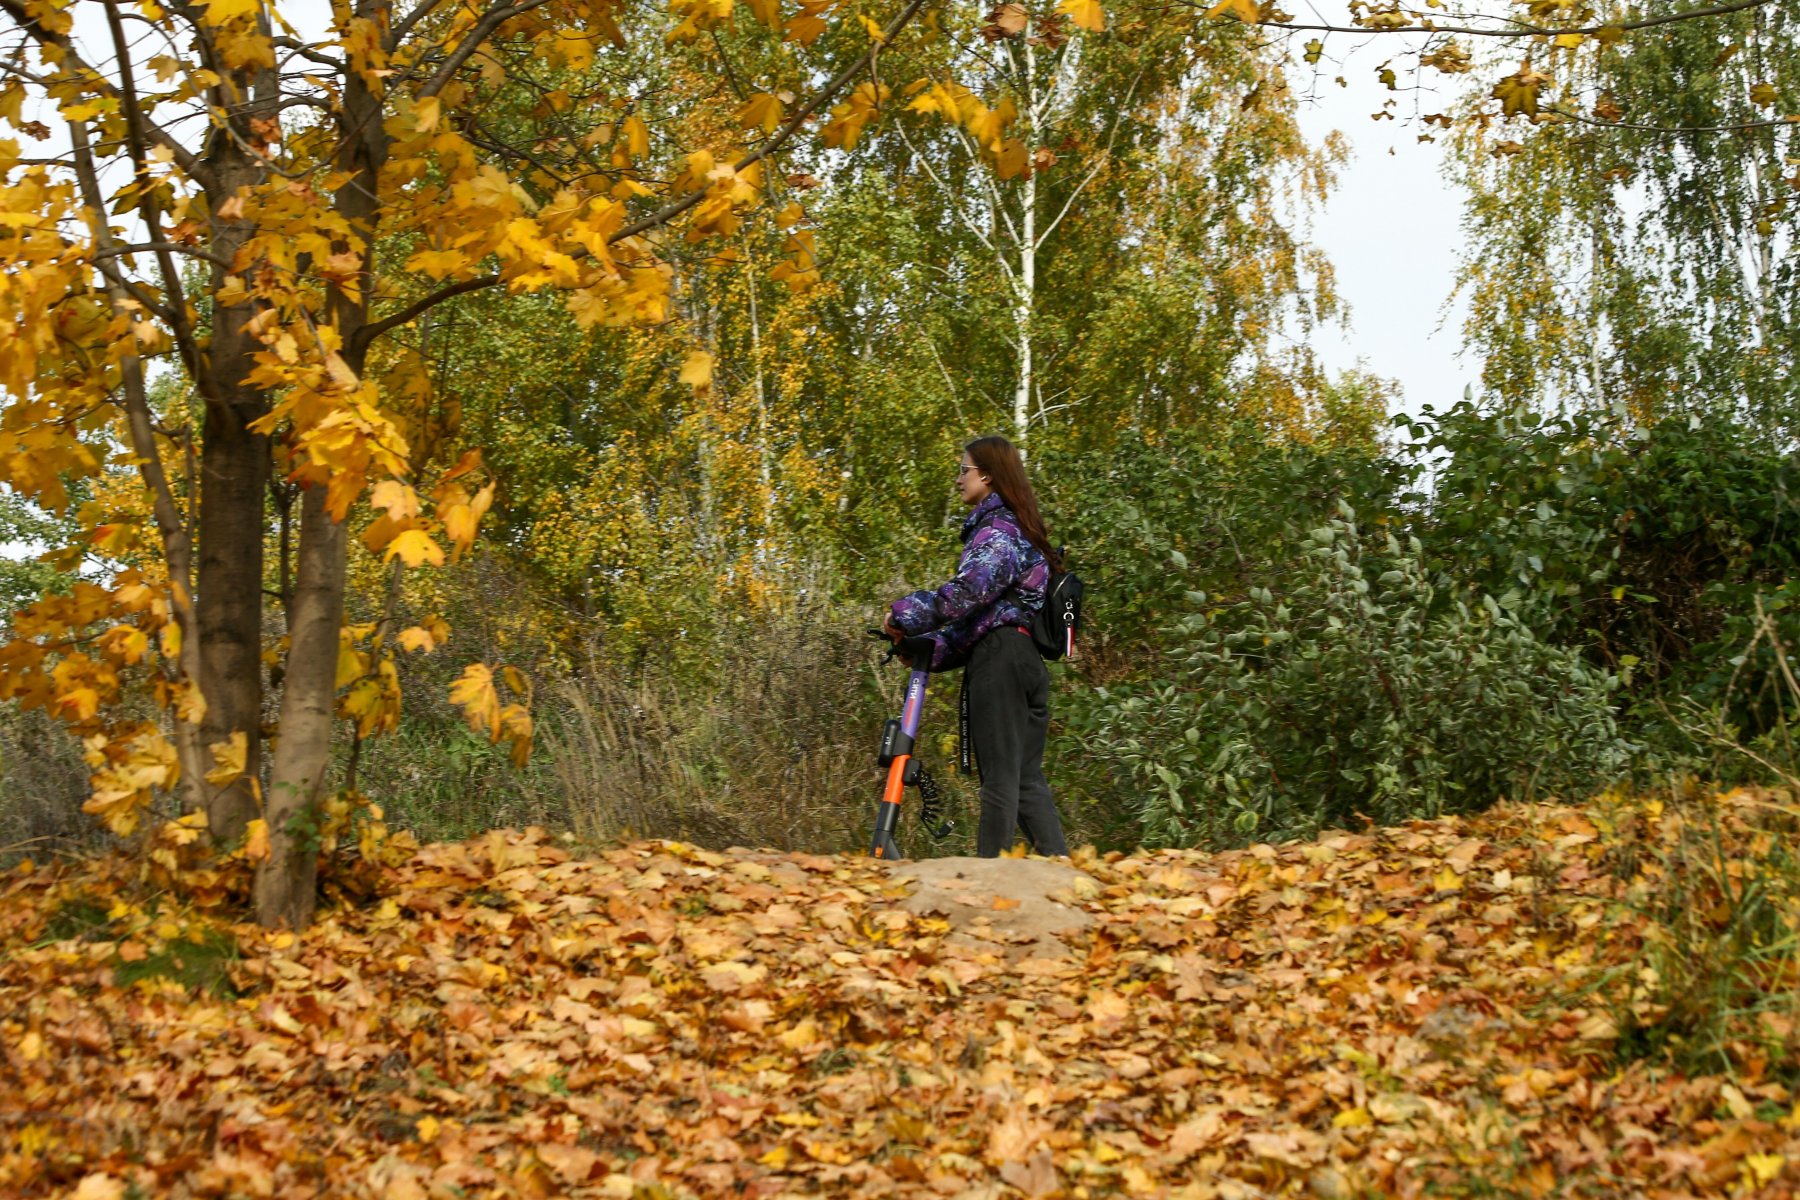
[1146,520]
[1359,687]
[1644,543]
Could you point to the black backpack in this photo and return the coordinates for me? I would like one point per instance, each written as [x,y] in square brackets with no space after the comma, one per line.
[1053,626]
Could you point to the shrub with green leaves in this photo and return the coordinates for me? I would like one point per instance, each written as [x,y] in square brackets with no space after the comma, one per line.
[1144,520]
[1356,686]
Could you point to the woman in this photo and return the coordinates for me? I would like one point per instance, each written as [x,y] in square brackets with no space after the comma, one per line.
[981,619]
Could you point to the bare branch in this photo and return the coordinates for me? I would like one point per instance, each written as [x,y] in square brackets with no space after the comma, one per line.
[1516,28]
[725,61]
[944,187]
[302,50]
[374,329]
[323,106]
[398,33]
[1111,141]
[72,61]
[164,248]
[472,41]
[995,200]
[135,123]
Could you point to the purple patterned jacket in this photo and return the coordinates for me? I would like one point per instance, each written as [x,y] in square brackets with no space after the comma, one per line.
[1000,580]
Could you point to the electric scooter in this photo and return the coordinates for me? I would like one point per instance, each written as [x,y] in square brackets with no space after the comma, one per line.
[903,769]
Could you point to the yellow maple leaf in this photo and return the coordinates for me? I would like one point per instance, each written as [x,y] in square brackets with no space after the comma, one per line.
[127,642]
[77,704]
[256,840]
[1009,162]
[439,264]
[460,524]
[229,755]
[474,693]
[762,109]
[636,136]
[516,727]
[1765,1167]
[415,546]
[1518,94]
[697,371]
[351,662]
[115,538]
[806,27]
[1089,15]
[397,498]
[220,11]
[425,637]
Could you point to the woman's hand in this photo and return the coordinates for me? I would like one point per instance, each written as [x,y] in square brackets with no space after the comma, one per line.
[893,631]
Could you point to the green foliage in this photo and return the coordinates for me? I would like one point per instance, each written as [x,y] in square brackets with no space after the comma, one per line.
[25,532]
[1646,267]
[1648,544]
[1357,685]
[1150,520]
[78,919]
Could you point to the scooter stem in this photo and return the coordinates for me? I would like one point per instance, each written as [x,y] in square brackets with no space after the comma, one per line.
[896,755]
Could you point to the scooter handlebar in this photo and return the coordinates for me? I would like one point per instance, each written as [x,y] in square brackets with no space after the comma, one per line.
[915,652]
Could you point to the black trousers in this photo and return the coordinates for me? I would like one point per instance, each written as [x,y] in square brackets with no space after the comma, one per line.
[1009,716]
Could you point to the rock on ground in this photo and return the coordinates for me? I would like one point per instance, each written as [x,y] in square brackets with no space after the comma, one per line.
[1020,905]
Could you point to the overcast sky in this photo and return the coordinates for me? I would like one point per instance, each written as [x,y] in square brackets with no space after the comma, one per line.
[1391,228]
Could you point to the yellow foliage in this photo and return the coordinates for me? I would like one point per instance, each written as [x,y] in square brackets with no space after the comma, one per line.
[228,757]
[761,110]
[415,548]
[1088,14]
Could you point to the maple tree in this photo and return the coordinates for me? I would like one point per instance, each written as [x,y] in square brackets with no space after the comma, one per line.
[286,202]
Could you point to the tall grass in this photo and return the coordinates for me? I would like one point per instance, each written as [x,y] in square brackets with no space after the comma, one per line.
[1713,908]
[770,741]
[43,784]
[776,749]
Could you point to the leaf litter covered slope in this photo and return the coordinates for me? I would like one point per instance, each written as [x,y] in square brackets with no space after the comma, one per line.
[1388,1013]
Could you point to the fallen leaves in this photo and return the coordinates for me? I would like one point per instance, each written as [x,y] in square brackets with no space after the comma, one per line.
[505,1018]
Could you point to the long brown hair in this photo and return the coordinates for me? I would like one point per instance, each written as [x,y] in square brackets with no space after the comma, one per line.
[999,460]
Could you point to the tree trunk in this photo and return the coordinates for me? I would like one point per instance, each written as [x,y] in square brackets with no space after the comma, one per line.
[234,480]
[286,883]
[1025,280]
[288,880]
[234,476]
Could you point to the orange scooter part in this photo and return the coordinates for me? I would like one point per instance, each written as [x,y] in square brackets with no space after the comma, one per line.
[892,793]
[896,781]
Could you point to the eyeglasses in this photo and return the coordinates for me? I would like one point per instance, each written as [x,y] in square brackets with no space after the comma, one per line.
[963,469]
